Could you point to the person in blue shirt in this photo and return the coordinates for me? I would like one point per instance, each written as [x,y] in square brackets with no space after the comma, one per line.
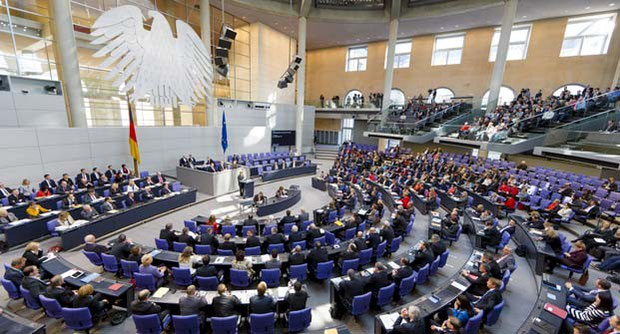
[462,309]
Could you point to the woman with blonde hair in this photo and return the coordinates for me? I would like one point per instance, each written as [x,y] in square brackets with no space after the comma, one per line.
[186,259]
[65,219]
[87,298]
[33,254]
[25,189]
[147,268]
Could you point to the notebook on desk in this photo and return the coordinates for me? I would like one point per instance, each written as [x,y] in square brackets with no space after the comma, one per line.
[115,286]
[555,310]
[160,292]
[89,278]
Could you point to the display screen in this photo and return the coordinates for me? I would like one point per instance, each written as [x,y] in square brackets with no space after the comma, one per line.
[283,137]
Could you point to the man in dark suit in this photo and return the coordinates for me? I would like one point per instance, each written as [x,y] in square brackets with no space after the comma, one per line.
[313,233]
[359,241]
[250,221]
[143,306]
[261,303]
[378,279]
[352,287]
[227,244]
[437,245]
[506,261]
[478,281]
[56,290]
[251,240]
[510,227]
[32,283]
[409,322]
[274,238]
[65,177]
[404,271]
[303,216]
[191,304]
[14,272]
[297,300]
[158,178]
[490,298]
[494,268]
[47,182]
[209,239]
[168,234]
[183,162]
[110,172]
[225,304]
[400,224]
[317,255]
[296,257]
[490,235]
[63,187]
[387,233]
[423,256]
[88,212]
[206,270]
[83,175]
[92,246]
[4,191]
[295,236]
[121,248]
[95,175]
[373,239]
[349,254]
[288,218]
[186,238]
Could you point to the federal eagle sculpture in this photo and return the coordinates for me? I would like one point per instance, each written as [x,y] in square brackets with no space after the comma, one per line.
[153,64]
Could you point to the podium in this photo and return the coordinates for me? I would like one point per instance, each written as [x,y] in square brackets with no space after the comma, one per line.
[248,188]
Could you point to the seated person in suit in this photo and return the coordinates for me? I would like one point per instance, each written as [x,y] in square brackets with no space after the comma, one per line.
[206,270]
[147,268]
[16,198]
[378,279]
[33,254]
[576,258]
[142,306]
[313,233]
[387,233]
[115,190]
[262,303]
[34,210]
[56,290]
[65,219]
[359,241]
[450,325]
[297,300]
[83,175]
[490,235]
[581,297]
[83,183]
[274,262]
[130,200]
[478,280]
[4,191]
[187,238]
[6,217]
[510,227]
[251,240]
[424,255]
[108,205]
[404,271]
[135,254]
[90,245]
[32,282]
[228,244]
[119,177]
[551,238]
[47,182]
[96,306]
[506,260]
[437,245]
[589,212]
[349,254]
[95,175]
[494,268]
[88,212]
[296,257]
[373,239]
[103,180]
[295,236]
[91,195]
[225,304]
[70,201]
[208,238]
[14,272]
[158,178]
[450,225]
[288,218]
[535,221]
[167,233]
[274,238]
[193,304]
[63,187]
[490,298]
[67,179]
[303,216]
[351,288]
[409,321]
[317,255]
[121,248]
[250,221]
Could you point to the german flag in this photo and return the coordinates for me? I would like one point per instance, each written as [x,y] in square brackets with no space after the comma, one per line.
[133,139]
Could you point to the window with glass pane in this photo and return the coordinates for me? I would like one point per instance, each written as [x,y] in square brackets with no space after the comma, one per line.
[517,47]
[397,97]
[448,49]
[574,89]
[444,95]
[347,129]
[587,36]
[402,55]
[506,94]
[356,59]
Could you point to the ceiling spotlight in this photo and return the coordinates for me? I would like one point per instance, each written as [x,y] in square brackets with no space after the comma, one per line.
[588,7]
[612,4]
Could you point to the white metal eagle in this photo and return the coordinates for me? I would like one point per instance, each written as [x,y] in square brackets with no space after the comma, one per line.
[165,70]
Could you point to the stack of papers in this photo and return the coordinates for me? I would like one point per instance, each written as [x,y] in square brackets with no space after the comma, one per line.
[160,292]
[389,320]
[219,259]
[458,285]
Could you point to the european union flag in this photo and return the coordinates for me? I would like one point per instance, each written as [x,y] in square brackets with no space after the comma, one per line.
[224,133]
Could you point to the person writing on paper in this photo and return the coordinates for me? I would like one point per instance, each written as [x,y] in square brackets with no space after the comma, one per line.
[409,321]
[88,212]
[281,193]
[34,210]
[65,219]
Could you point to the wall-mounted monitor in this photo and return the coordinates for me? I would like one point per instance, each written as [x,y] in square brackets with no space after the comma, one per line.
[283,137]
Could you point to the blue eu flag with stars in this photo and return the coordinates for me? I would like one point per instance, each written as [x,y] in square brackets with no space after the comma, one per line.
[224,133]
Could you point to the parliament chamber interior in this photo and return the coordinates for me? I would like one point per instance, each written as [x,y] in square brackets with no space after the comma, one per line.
[310,166]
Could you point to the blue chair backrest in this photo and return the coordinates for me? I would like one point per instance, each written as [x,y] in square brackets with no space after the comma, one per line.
[381,249]
[77,318]
[93,257]
[182,276]
[178,246]
[109,262]
[361,304]
[385,295]
[261,323]
[246,229]
[287,228]
[202,249]
[330,238]
[191,225]
[250,251]
[395,244]
[189,324]
[406,285]
[278,247]
[350,233]
[144,281]
[271,277]
[505,239]
[162,244]
[444,258]
[305,224]
[603,326]
[409,228]
[331,216]
[324,270]
[506,278]
[51,306]
[30,301]
[207,283]
[58,205]
[361,227]
[341,212]
[434,266]
[301,244]
[227,252]
[11,289]
[299,320]
[267,229]
[365,256]
[229,229]
[422,275]
[129,267]
[299,271]
[239,278]
[147,324]
[349,264]
[51,226]
[494,315]
[473,324]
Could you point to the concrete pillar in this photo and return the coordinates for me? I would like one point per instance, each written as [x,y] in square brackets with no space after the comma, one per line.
[510,9]
[301,77]
[389,66]
[67,49]
[205,32]
[614,82]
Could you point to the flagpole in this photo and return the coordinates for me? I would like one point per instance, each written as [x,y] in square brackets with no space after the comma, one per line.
[131,116]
